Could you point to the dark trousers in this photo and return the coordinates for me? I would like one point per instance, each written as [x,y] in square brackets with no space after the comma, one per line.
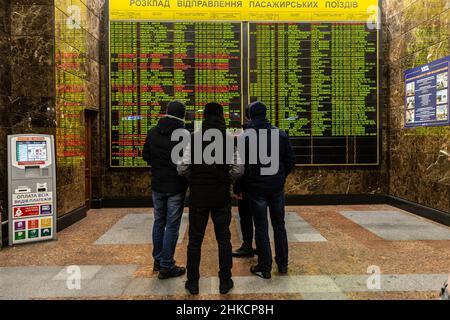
[198,220]
[246,221]
[168,210]
[259,202]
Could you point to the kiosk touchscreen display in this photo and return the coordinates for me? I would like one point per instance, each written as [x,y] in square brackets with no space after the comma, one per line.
[31,152]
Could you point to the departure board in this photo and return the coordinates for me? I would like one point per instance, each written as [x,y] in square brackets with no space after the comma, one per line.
[314,63]
[152,63]
[320,83]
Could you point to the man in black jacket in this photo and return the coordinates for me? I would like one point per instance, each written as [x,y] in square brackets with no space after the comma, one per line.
[210,194]
[168,190]
[267,191]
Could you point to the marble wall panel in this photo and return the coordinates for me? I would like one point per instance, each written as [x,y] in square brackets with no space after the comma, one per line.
[5,64]
[31,112]
[93,24]
[31,20]
[32,67]
[96,6]
[3,174]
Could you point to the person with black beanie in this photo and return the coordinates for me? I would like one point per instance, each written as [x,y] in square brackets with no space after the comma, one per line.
[168,190]
[267,192]
[209,186]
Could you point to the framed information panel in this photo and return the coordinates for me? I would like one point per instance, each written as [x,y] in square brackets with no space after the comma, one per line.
[315,66]
[426,98]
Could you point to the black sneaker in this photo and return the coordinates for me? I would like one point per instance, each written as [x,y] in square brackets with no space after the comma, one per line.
[263,274]
[244,252]
[171,273]
[191,286]
[156,266]
[283,269]
[225,285]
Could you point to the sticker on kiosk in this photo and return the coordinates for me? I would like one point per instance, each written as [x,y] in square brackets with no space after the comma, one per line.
[46,209]
[21,212]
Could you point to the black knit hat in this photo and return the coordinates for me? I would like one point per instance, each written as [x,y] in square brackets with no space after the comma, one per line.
[213,108]
[257,110]
[177,109]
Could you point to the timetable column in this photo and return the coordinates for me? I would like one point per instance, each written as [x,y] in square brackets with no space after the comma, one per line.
[183,63]
[227,71]
[124,99]
[156,73]
[342,78]
[365,103]
[363,82]
[294,79]
[321,108]
[263,65]
[321,79]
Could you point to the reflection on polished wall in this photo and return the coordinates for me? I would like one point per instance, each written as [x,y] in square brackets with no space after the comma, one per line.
[77,89]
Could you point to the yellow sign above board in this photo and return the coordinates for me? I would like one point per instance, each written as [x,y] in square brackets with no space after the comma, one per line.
[245,10]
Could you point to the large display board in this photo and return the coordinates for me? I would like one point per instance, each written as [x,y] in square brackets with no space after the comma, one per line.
[153,63]
[427,91]
[320,81]
[314,63]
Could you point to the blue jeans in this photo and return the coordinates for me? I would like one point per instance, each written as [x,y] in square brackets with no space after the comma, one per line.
[259,202]
[168,210]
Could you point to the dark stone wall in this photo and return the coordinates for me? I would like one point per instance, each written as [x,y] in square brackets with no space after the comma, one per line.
[26,73]
[5,96]
[417,32]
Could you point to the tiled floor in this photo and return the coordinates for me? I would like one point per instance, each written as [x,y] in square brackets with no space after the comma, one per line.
[333,250]
[396,225]
[298,230]
[136,228]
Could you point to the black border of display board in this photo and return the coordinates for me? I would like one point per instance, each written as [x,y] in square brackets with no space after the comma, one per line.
[424,79]
[246,93]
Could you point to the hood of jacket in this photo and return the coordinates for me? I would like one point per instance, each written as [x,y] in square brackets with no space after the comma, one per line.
[167,125]
[214,122]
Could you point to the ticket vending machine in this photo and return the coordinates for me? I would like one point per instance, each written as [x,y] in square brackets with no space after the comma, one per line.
[31,188]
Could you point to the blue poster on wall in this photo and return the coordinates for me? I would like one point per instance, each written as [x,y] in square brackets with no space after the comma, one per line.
[427,90]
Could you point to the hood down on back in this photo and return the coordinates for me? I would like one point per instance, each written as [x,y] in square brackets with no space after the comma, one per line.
[168,125]
[157,153]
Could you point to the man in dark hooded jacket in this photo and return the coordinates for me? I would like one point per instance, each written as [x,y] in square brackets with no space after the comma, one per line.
[210,185]
[168,190]
[267,192]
